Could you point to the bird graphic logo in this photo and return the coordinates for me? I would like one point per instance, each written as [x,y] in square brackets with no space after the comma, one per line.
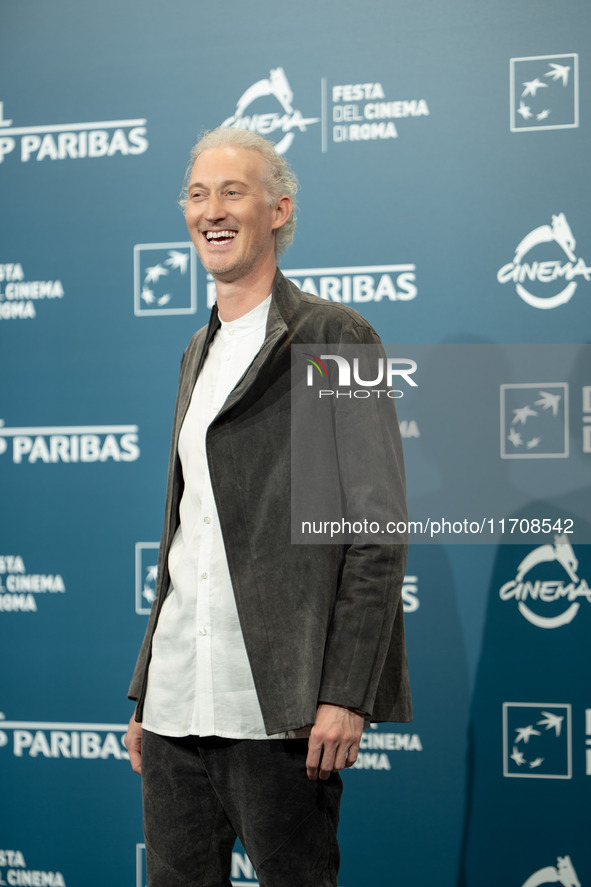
[164,278]
[537,740]
[544,92]
[534,421]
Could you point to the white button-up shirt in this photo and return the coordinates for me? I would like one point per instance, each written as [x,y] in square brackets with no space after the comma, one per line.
[200,681]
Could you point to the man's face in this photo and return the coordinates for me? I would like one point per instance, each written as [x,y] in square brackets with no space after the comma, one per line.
[228,213]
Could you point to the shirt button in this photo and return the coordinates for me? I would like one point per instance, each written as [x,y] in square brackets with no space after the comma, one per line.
[226,357]
[206,520]
[204,575]
[203,631]
[231,332]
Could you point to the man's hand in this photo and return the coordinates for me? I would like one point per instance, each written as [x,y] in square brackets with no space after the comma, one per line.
[334,740]
[133,741]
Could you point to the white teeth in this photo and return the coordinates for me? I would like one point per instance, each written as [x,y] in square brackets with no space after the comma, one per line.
[220,235]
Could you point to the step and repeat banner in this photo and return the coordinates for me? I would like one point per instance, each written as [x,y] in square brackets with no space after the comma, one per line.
[443,154]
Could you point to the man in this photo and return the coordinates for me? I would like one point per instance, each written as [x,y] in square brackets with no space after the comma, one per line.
[262,659]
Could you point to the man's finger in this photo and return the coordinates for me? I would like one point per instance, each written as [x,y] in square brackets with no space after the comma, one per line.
[313,759]
[133,743]
[328,762]
[327,765]
[135,759]
[341,757]
[352,754]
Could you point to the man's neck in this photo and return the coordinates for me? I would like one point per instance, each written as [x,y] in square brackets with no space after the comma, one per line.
[236,298]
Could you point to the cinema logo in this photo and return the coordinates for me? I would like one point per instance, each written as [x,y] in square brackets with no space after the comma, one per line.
[549,282]
[92,742]
[368,372]
[547,580]
[72,141]
[15,872]
[562,873]
[267,108]
[71,443]
[19,296]
[19,589]
[376,745]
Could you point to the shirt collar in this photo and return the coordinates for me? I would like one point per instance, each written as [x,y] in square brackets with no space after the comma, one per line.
[248,323]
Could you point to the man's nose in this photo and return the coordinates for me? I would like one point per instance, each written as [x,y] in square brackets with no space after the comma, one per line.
[215,209]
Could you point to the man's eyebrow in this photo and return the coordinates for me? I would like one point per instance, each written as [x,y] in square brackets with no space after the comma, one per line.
[223,184]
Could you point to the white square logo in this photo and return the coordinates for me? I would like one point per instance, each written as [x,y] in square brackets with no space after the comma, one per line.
[534,421]
[164,279]
[544,92]
[146,572]
[141,877]
[537,740]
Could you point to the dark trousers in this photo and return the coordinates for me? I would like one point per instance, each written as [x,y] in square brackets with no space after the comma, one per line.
[199,794]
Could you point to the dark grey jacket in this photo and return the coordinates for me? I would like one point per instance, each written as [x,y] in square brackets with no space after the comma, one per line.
[321,623]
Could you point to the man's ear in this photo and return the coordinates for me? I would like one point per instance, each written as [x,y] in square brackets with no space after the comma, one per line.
[283,210]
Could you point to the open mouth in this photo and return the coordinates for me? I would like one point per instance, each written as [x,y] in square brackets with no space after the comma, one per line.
[220,237]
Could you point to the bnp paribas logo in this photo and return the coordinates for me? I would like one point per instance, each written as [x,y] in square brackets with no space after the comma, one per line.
[534,420]
[544,92]
[165,279]
[72,141]
[54,739]
[537,740]
[70,443]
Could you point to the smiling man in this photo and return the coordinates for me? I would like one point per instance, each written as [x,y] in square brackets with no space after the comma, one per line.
[233,224]
[262,660]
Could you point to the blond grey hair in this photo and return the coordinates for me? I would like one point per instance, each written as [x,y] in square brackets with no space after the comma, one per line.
[280,179]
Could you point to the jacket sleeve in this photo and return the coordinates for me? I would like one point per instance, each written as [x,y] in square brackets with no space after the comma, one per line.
[365,657]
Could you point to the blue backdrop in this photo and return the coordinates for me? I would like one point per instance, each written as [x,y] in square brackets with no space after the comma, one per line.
[443,154]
